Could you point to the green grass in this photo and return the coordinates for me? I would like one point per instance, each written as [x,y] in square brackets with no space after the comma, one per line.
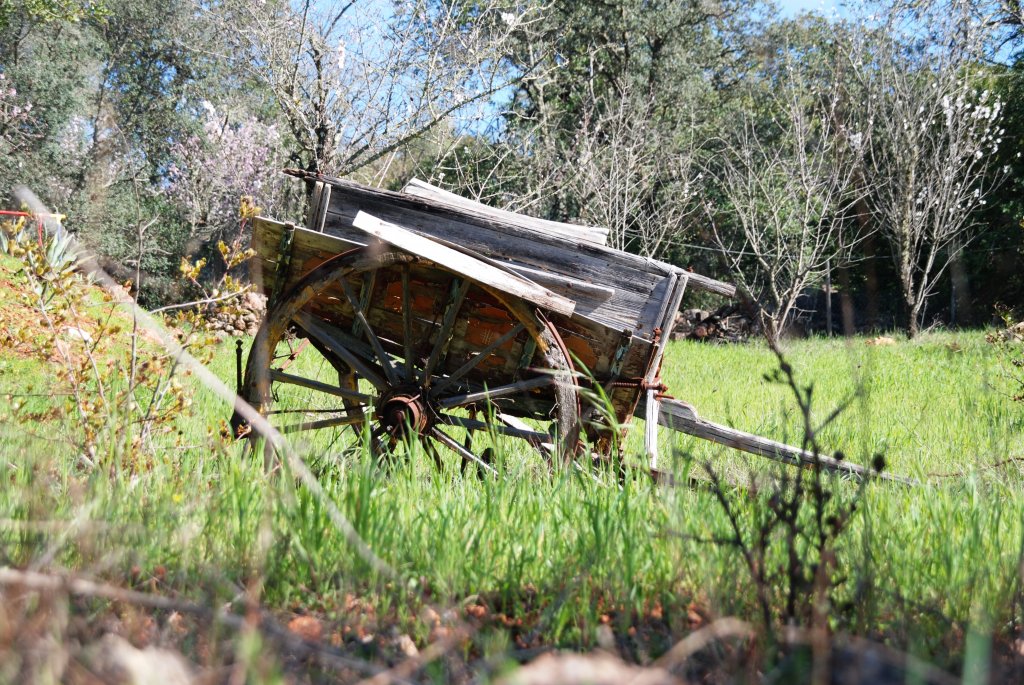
[937,404]
[561,553]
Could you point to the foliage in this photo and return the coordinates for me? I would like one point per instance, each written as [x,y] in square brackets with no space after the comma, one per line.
[117,100]
[213,171]
[51,11]
[221,296]
[1010,345]
[110,398]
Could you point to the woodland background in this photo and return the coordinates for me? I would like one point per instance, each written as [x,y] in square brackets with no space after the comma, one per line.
[877,148]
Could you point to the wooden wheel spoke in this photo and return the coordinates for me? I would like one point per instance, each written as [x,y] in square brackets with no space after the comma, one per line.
[431,450]
[377,446]
[354,345]
[533,437]
[371,372]
[458,295]
[322,423]
[410,374]
[377,432]
[490,394]
[282,377]
[475,361]
[454,446]
[371,336]
[335,410]
[468,442]
[365,292]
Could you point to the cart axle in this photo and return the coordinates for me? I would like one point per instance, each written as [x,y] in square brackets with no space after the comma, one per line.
[404,412]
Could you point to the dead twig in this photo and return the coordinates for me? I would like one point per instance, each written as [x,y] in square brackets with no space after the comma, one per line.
[51,583]
[721,629]
[196,303]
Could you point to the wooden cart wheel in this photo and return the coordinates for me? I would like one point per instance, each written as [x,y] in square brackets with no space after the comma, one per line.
[420,381]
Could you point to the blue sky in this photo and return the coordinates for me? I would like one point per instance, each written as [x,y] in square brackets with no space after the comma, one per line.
[793,7]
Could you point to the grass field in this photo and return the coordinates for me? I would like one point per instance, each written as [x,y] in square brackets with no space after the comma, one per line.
[534,559]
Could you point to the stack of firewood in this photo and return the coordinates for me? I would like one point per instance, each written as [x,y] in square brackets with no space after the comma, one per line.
[239,318]
[725,324]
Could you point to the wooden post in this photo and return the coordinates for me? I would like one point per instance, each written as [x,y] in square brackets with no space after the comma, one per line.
[651,427]
[683,418]
[828,297]
[673,298]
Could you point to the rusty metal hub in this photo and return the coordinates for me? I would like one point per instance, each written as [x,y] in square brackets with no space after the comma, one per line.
[404,411]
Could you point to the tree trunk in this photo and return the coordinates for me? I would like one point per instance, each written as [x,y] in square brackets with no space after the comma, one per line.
[915,306]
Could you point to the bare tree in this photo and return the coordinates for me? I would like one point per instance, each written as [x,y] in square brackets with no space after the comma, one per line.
[357,81]
[934,131]
[625,177]
[786,188]
[614,168]
[1010,14]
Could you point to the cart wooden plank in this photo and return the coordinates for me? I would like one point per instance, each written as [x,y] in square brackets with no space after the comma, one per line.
[682,417]
[308,249]
[589,234]
[463,264]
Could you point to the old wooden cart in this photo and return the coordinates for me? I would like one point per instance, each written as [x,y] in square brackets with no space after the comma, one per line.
[442,322]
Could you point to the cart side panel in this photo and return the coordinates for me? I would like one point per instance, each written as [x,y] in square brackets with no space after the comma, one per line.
[482,320]
[295,258]
[598,351]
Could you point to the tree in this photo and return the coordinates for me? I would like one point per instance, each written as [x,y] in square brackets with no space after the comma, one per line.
[786,188]
[934,133]
[357,81]
[213,170]
[115,96]
[606,131]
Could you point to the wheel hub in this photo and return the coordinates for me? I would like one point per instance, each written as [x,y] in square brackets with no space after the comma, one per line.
[404,412]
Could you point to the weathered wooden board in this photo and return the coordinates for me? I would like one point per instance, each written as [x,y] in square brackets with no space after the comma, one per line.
[639,285]
[668,315]
[563,283]
[308,250]
[463,264]
[682,417]
[590,234]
